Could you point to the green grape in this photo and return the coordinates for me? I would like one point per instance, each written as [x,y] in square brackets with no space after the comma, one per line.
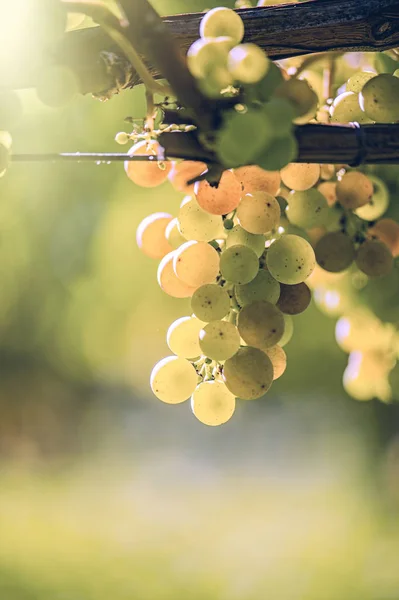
[346,109]
[258,212]
[206,53]
[122,138]
[57,86]
[4,159]
[279,360]
[248,63]
[378,203]
[335,252]
[242,136]
[301,96]
[173,235]
[290,259]
[248,374]
[173,380]
[263,287]
[222,22]
[379,98]
[212,403]
[300,176]
[307,209]
[357,81]
[219,340]
[196,263]
[294,299]
[264,89]
[239,264]
[183,337]
[239,236]
[374,258]
[11,109]
[261,324]
[281,152]
[197,224]
[280,114]
[210,302]
[354,190]
[288,330]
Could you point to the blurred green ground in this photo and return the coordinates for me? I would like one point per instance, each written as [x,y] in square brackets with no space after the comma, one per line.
[106,493]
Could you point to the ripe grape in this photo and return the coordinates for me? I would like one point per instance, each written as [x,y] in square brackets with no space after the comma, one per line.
[239,236]
[182,172]
[219,340]
[261,324]
[379,98]
[183,337]
[169,282]
[387,231]
[300,176]
[354,190]
[279,360]
[288,330]
[346,109]
[196,263]
[222,22]
[173,380]
[258,212]
[263,287]
[290,259]
[329,191]
[294,299]
[327,171]
[374,258]
[254,179]
[147,173]
[335,252]
[56,86]
[357,81]
[242,137]
[173,235]
[248,63]
[212,403]
[378,203]
[248,374]
[204,53]
[150,235]
[301,96]
[210,302]
[239,264]
[197,224]
[221,199]
[307,209]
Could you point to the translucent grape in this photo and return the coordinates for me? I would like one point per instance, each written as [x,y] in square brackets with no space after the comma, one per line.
[294,299]
[263,287]
[196,263]
[219,340]
[327,172]
[378,203]
[56,85]
[261,324]
[290,259]
[387,231]
[221,199]
[210,302]
[212,403]
[379,98]
[301,96]
[374,258]
[239,264]
[307,209]
[335,252]
[242,136]
[173,235]
[354,190]
[279,360]
[205,52]
[248,63]
[222,22]
[147,173]
[288,330]
[258,212]
[282,151]
[357,81]
[300,176]
[173,380]
[240,237]
[346,109]
[169,282]
[329,191]
[183,337]
[254,179]
[197,224]
[122,138]
[248,374]
[150,235]
[180,173]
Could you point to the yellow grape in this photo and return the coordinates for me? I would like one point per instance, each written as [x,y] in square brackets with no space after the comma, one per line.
[210,302]
[259,212]
[219,340]
[329,191]
[254,179]
[222,21]
[300,176]
[180,173]
[279,360]
[183,337]
[354,190]
[147,173]
[173,380]
[197,224]
[212,403]
[169,282]
[196,263]
[173,235]
[150,235]
[221,199]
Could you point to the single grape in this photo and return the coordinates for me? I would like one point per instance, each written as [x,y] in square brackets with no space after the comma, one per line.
[222,22]
[307,209]
[280,113]
[210,302]
[329,191]
[56,86]
[150,235]
[327,172]
[335,252]
[212,403]
[147,173]
[219,340]
[122,138]
[387,231]
[248,63]
[181,173]
[279,360]
[354,190]
[248,374]
[290,259]
[254,179]
[288,330]
[263,287]
[346,109]
[378,203]
[196,263]
[374,258]
[205,53]
[301,96]
[239,264]
[261,324]
[173,235]
[221,199]
[237,236]
[282,151]
[300,176]
[197,224]
[357,81]
[263,90]
[183,337]
[258,212]
[173,380]
[169,282]
[294,299]
[379,98]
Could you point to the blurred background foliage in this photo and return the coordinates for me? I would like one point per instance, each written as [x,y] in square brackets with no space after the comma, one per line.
[108,493]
